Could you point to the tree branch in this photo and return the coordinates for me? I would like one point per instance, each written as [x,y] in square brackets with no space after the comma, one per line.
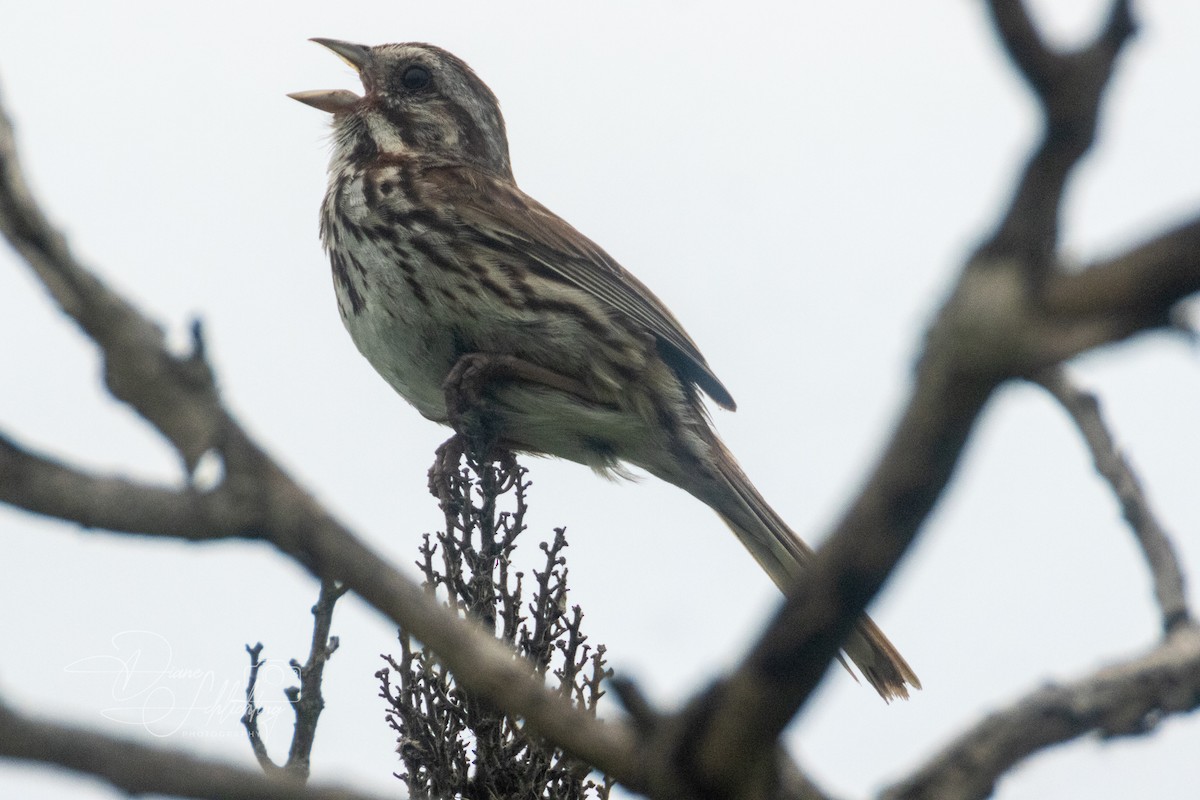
[306,700]
[741,718]
[42,485]
[1069,87]
[1112,465]
[1128,293]
[250,718]
[993,327]
[138,769]
[1127,699]
[175,394]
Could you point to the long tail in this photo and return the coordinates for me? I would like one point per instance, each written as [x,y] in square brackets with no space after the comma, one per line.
[783,555]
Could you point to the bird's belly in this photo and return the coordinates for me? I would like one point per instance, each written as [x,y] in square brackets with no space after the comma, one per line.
[413,320]
[395,329]
[407,358]
[414,304]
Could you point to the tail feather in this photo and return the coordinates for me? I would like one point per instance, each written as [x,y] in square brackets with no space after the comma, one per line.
[784,555]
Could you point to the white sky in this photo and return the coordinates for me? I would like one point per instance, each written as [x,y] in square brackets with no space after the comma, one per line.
[797,181]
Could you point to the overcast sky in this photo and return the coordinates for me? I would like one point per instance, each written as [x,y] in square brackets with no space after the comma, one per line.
[798,181]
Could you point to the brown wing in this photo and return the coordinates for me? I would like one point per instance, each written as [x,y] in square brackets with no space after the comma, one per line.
[500,212]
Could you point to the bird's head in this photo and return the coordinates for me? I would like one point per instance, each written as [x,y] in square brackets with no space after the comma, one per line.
[418,101]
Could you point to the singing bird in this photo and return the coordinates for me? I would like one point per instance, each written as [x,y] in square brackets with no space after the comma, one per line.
[444,268]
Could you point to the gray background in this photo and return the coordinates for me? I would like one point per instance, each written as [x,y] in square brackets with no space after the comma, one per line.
[797,181]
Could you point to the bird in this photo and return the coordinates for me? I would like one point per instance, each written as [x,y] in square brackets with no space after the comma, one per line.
[446,273]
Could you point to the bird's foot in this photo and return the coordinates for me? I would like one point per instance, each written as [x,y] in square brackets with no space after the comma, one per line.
[445,469]
[473,372]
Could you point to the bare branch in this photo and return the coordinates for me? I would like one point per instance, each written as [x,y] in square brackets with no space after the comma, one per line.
[742,717]
[1131,292]
[1126,699]
[138,769]
[993,327]
[176,395]
[250,717]
[308,701]
[42,485]
[1023,43]
[795,785]
[1114,468]
[1069,87]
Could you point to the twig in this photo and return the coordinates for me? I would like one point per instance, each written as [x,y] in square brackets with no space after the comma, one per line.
[1112,465]
[250,717]
[306,700]
[452,741]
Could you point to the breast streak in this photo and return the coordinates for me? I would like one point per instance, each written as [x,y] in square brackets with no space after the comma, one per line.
[429,296]
[393,326]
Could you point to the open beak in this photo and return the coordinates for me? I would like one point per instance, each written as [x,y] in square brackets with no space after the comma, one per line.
[337,101]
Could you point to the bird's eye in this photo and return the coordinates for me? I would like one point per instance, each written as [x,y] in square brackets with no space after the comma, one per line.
[415,77]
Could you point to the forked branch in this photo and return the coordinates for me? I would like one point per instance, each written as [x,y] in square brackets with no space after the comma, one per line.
[998,323]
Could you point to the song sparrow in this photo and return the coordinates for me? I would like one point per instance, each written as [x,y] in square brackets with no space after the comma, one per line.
[444,269]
